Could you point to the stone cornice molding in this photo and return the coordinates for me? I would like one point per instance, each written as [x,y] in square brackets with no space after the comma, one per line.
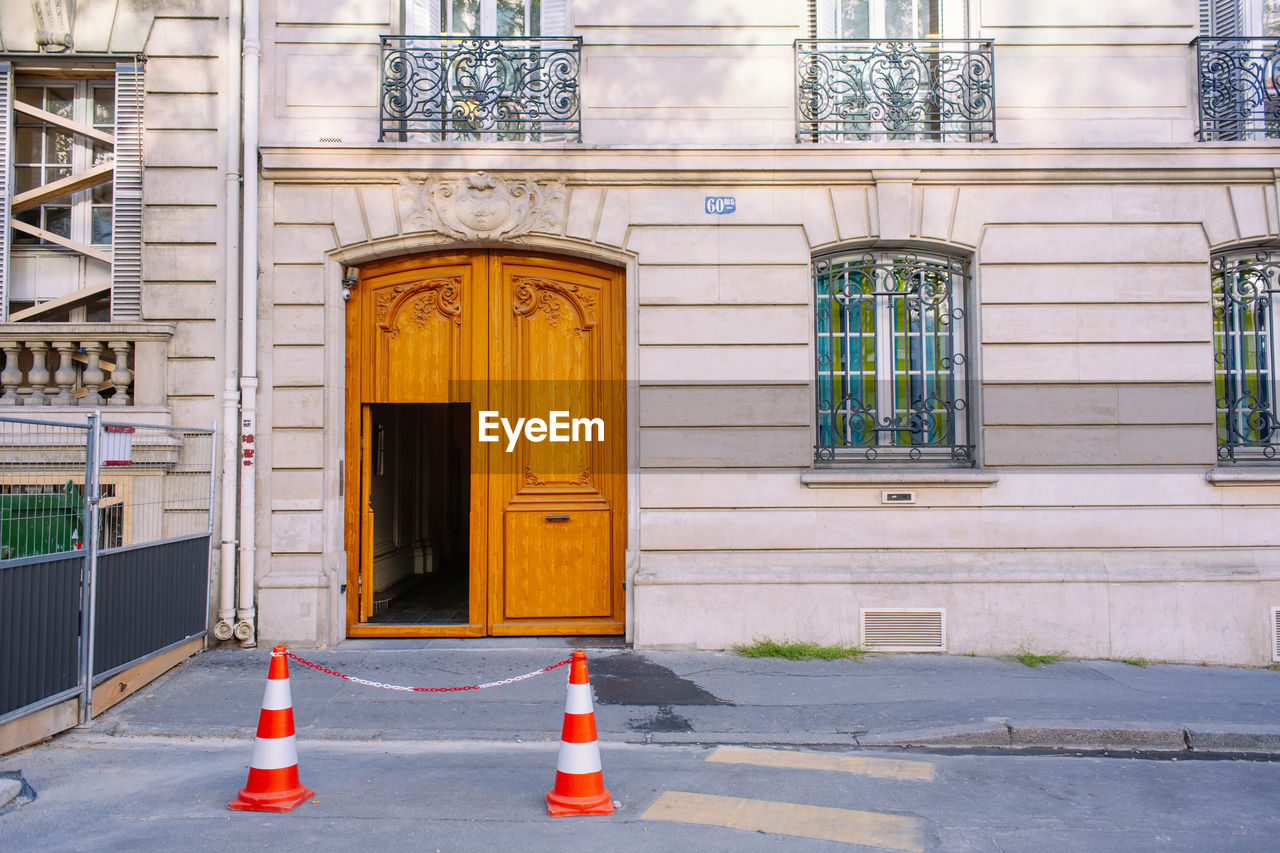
[1202,163]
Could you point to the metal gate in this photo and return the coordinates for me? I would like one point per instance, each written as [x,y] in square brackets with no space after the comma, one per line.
[105,532]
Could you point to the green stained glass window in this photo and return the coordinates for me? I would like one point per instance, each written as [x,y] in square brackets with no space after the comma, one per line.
[1245,342]
[890,364]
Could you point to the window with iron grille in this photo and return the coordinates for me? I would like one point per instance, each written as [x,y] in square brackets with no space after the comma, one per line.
[1246,285]
[891,365]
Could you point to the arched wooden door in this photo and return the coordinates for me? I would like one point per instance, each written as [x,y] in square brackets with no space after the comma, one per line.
[522,526]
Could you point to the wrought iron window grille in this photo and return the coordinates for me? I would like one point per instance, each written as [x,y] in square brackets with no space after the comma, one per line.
[891,368]
[1246,341]
[458,88]
[1239,83]
[940,90]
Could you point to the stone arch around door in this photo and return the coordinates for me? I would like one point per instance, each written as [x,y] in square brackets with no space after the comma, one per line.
[319,230]
[441,345]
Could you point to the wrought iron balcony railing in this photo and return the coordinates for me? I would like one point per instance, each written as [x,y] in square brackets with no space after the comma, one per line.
[1239,88]
[460,88]
[941,90]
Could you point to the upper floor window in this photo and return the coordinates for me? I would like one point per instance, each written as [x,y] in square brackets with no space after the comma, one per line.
[1239,18]
[893,70]
[1238,62]
[481,69]
[1246,342]
[890,357]
[512,18]
[46,152]
[71,192]
[889,19]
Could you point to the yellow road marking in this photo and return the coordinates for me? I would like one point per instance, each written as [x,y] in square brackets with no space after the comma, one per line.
[891,767]
[844,825]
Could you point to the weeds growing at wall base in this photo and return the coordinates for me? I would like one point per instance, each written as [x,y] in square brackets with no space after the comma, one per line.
[769,648]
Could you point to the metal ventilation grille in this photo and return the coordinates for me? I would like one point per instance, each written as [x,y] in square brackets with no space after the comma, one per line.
[1275,635]
[904,630]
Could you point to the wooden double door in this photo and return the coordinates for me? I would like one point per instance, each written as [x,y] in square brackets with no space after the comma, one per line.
[519,526]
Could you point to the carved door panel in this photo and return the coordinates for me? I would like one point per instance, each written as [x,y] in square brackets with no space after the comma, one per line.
[559,504]
[416,333]
[423,334]
[520,336]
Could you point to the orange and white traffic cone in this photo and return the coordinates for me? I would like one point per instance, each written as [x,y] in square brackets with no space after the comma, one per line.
[273,784]
[579,787]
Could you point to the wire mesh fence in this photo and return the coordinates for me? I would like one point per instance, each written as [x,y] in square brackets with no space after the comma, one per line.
[153,484]
[42,476]
[105,532]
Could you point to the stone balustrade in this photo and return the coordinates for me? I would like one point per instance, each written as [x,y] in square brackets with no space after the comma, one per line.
[83,364]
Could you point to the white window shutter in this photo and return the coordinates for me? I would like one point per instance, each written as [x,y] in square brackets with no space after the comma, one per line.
[421,17]
[6,172]
[955,19]
[555,18]
[1220,18]
[126,196]
[824,12]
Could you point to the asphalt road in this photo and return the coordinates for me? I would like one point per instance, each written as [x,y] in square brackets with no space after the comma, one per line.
[98,792]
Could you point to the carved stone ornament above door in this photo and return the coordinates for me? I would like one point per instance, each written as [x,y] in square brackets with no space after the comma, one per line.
[483,206]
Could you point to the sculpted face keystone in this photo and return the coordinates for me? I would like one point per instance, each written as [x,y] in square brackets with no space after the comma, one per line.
[483,206]
[483,214]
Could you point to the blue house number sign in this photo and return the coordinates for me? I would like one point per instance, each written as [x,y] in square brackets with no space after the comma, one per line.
[721,204]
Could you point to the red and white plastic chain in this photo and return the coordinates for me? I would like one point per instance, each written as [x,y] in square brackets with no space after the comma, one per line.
[368,683]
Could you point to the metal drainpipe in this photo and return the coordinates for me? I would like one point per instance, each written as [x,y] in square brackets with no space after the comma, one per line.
[225,628]
[246,613]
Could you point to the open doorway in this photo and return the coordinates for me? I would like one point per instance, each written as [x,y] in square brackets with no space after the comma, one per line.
[449,532]
[419,476]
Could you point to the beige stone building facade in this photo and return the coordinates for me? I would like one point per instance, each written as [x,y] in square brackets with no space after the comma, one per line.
[926,325]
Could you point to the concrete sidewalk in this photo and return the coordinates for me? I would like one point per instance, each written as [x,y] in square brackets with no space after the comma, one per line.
[718,698]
